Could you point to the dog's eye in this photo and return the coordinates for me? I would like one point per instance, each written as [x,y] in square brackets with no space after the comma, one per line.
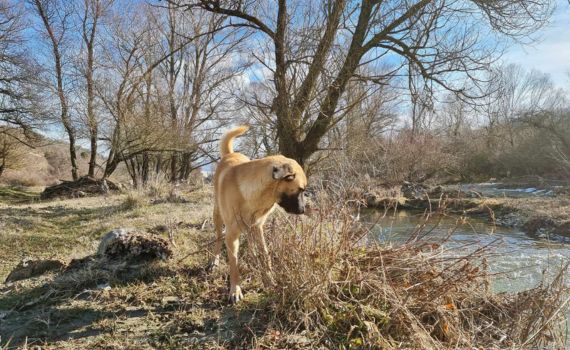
[290,177]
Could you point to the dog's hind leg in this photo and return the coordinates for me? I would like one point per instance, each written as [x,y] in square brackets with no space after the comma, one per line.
[218,226]
[232,245]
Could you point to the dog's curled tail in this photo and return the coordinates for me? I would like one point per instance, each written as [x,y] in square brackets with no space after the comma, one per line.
[226,145]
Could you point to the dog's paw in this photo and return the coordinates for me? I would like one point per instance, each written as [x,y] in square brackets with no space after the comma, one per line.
[212,264]
[235,295]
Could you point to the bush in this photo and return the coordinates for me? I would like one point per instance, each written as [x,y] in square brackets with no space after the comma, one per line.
[409,157]
[347,291]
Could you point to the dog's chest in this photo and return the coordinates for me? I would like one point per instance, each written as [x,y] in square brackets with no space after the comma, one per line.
[261,215]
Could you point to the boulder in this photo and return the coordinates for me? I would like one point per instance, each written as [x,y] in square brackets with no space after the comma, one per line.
[375,201]
[122,244]
[413,190]
[110,237]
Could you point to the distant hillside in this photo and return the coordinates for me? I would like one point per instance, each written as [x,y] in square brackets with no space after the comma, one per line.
[44,165]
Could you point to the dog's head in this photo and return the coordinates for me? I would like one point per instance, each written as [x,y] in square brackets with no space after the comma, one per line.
[291,184]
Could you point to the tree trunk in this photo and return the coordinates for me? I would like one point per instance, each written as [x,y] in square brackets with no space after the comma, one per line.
[93,124]
[58,65]
[158,166]
[173,167]
[185,167]
[133,172]
[145,168]
[112,163]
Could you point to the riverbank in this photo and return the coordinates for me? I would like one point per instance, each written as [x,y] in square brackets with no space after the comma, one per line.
[332,289]
[538,212]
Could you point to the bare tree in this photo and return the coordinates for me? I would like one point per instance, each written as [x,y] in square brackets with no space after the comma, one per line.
[119,90]
[90,18]
[514,94]
[164,91]
[55,18]
[18,93]
[454,116]
[317,48]
[198,78]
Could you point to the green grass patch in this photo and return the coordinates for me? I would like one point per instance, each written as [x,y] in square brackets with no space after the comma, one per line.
[14,195]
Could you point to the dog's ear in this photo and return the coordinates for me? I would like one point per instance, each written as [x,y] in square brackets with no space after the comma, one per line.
[283,172]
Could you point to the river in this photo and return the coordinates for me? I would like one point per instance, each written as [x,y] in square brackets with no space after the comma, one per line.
[520,262]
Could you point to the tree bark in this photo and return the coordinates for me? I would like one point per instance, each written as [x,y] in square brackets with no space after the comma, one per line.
[58,65]
[89,40]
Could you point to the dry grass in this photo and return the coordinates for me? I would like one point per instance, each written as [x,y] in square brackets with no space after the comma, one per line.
[346,291]
[335,288]
[134,199]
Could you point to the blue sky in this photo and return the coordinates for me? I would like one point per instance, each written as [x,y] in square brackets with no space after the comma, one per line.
[550,53]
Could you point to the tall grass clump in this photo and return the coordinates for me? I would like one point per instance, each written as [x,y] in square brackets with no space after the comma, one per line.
[335,282]
[134,199]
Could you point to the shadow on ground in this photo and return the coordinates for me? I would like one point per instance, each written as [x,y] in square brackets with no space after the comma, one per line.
[158,305]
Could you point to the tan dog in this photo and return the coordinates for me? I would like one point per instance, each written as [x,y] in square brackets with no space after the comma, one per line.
[246,192]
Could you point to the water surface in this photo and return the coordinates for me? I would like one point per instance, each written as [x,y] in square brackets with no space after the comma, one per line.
[519,261]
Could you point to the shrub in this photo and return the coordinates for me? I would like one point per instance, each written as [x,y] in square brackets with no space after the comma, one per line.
[133,200]
[332,280]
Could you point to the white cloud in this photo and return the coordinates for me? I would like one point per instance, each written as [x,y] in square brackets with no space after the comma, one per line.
[551,53]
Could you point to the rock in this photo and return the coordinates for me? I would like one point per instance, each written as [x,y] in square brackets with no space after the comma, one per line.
[104,186]
[31,268]
[436,191]
[372,200]
[509,220]
[110,237]
[539,226]
[133,246]
[413,191]
[84,186]
[104,286]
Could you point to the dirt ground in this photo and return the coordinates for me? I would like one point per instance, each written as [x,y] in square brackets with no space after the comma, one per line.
[170,304]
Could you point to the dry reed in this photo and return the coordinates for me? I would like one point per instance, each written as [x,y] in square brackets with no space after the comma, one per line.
[332,281]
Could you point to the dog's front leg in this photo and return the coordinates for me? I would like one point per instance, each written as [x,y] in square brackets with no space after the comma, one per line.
[260,239]
[267,271]
[232,245]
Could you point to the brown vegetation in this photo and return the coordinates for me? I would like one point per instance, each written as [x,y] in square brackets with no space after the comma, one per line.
[335,288]
[353,292]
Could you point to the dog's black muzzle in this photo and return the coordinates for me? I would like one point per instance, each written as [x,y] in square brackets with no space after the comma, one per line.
[294,204]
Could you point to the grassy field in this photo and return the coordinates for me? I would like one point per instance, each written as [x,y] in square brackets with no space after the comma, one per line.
[330,291]
[71,228]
